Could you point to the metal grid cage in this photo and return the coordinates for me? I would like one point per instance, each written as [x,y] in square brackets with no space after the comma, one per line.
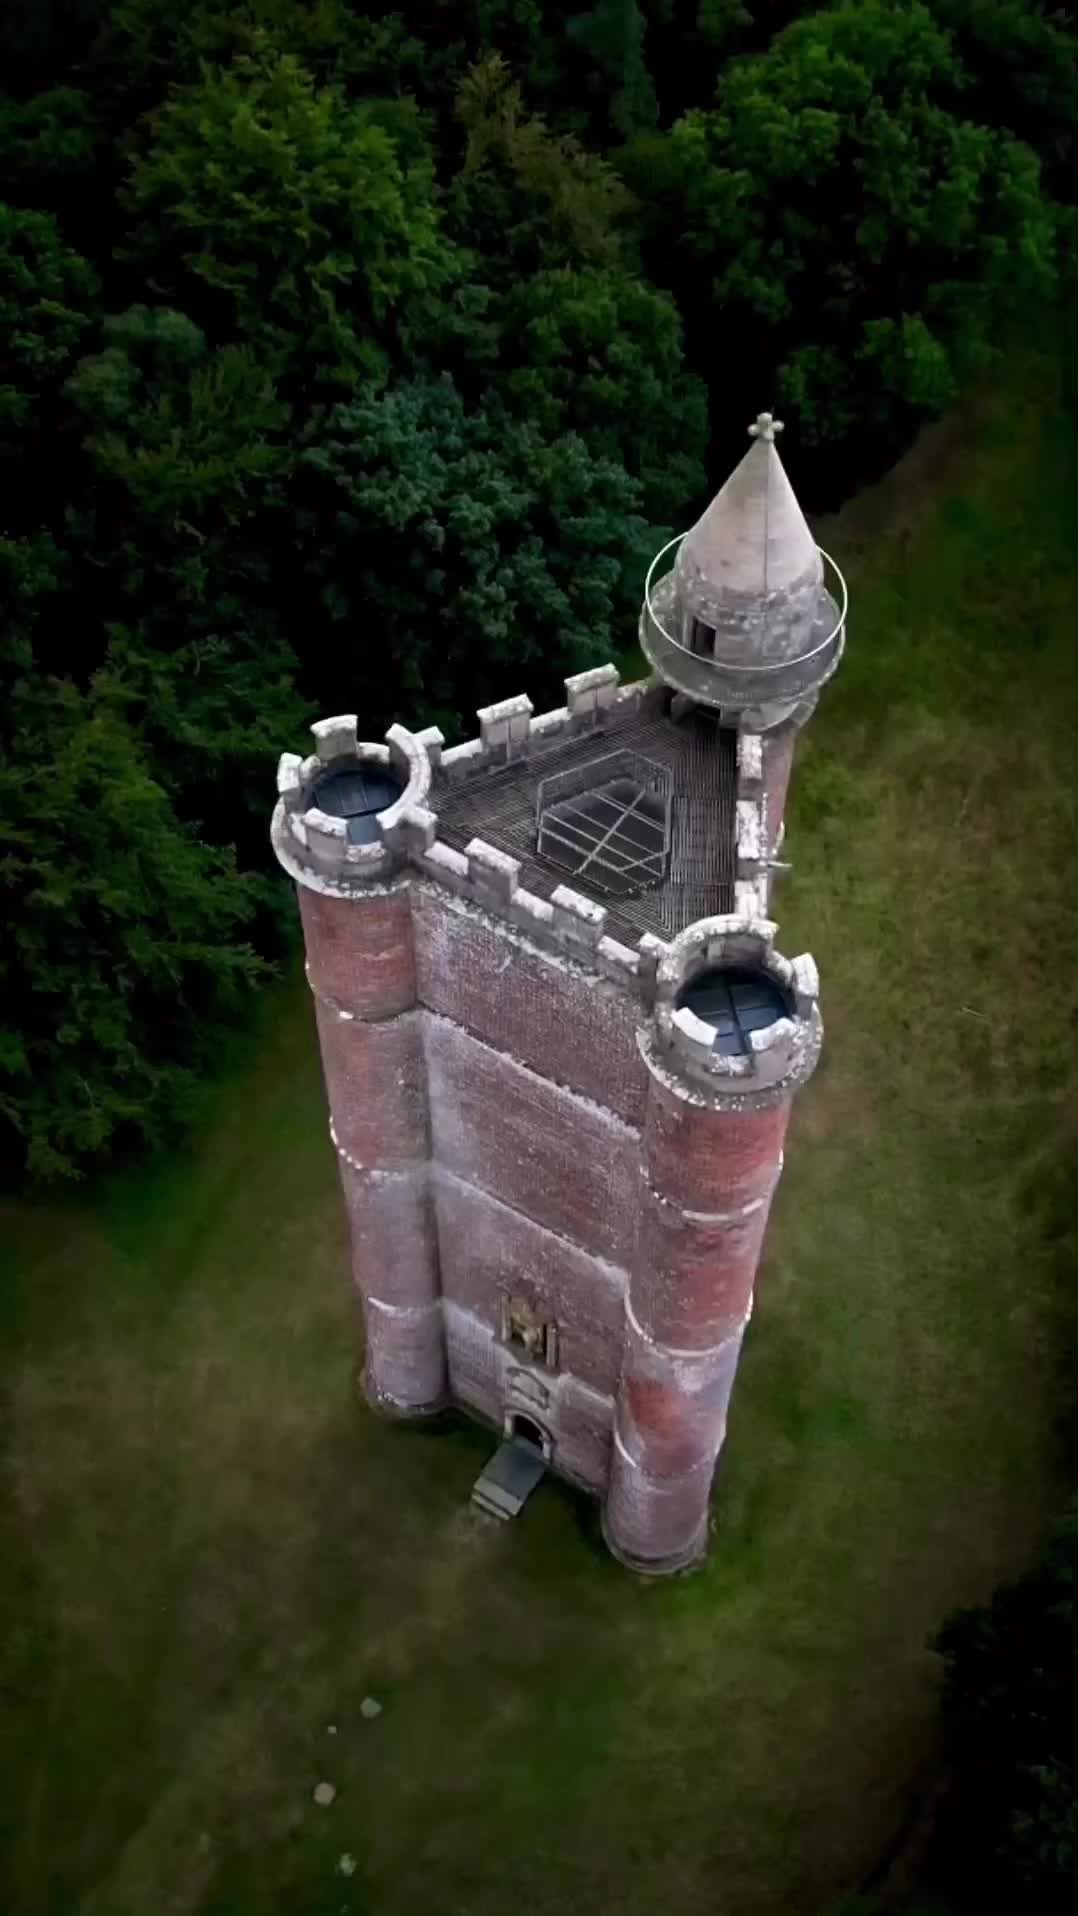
[607,822]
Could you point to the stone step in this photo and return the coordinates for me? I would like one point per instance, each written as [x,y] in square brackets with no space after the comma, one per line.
[490,1508]
[507,1481]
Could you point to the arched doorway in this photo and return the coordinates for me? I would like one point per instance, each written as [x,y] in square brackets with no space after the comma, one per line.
[525,1430]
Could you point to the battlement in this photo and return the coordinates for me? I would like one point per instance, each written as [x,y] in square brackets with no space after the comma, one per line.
[732,1012]
[356,814]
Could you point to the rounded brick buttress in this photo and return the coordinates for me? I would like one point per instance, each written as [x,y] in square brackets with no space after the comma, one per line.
[361,967]
[709,1173]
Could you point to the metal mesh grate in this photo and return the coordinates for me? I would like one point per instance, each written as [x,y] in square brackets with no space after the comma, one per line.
[607,822]
[700,759]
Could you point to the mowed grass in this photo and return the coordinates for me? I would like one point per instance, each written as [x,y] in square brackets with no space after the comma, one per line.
[215,1551]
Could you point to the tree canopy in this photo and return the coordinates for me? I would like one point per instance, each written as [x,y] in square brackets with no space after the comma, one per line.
[360,357]
[1008,1833]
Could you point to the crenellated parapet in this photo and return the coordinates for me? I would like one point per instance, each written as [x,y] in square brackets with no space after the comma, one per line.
[714,962]
[323,851]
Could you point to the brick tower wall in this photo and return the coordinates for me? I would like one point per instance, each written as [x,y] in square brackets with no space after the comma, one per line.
[709,1176]
[361,969]
[536,1095]
[711,1158]
[522,1110]
[778,757]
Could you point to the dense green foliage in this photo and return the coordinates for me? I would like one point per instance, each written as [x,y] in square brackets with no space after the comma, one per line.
[1009,1830]
[357,355]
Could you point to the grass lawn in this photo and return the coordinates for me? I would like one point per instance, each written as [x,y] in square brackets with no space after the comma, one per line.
[214,1551]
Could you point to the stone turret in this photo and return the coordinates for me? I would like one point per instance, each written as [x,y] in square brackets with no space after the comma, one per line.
[745,623]
[751,620]
[344,819]
[736,1030]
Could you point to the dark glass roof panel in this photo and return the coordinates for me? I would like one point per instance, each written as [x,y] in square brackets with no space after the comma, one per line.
[735,1003]
[357,793]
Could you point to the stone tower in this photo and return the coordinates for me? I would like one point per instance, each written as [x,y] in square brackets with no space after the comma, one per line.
[559,1044]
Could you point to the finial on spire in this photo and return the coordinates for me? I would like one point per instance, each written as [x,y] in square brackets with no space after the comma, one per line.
[766,427]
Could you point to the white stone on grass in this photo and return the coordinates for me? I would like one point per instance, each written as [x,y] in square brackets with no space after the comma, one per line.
[346,1865]
[370,1707]
[324,1794]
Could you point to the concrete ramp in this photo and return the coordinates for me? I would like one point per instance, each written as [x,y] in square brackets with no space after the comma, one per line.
[508,1480]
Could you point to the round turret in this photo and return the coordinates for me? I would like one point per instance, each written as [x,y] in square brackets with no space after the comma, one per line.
[341,811]
[736,1030]
[751,619]
[732,1015]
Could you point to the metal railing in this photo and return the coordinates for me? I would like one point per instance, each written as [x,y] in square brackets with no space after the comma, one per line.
[773,665]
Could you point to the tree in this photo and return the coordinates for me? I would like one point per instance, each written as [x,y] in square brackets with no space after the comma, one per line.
[540,196]
[146,46]
[50,137]
[327,350]
[612,33]
[1019,56]
[599,353]
[47,300]
[1009,1830]
[123,948]
[181,525]
[276,211]
[853,235]
[467,550]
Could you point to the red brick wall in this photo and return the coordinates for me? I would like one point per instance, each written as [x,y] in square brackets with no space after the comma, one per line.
[499,1135]
[672,1416]
[483,1376]
[778,754]
[585,1434]
[576,1029]
[474,1363]
[376,1083]
[694,1276]
[648,1521]
[488,1250]
[709,1160]
[689,1293]
[558,1158]
[360,960]
[359,950]
[405,1370]
[394,1248]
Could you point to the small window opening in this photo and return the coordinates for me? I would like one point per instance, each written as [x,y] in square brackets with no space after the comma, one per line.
[528,1333]
[702,639]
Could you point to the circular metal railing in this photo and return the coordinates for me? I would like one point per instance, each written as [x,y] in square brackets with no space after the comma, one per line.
[774,665]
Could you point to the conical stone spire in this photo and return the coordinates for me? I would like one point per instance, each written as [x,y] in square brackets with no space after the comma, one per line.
[753,540]
[744,622]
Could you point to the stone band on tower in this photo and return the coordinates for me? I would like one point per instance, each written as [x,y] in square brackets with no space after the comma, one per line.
[559,1045]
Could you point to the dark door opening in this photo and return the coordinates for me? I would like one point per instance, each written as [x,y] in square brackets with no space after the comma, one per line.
[527,1431]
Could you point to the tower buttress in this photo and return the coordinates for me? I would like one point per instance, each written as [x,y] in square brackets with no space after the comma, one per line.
[333,831]
[736,1030]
